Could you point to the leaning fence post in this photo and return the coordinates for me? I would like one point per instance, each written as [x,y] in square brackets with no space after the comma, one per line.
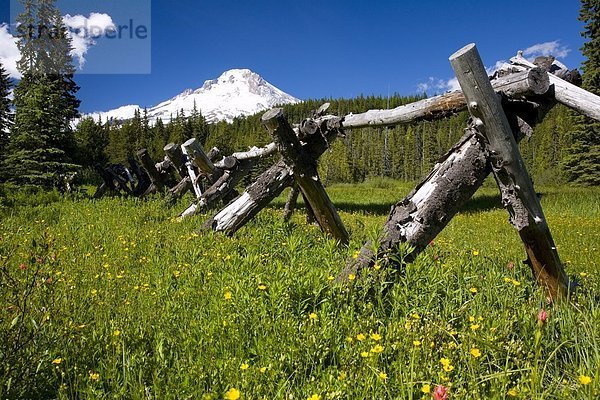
[518,194]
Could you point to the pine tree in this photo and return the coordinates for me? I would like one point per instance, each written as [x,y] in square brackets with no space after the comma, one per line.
[5,114]
[582,165]
[42,145]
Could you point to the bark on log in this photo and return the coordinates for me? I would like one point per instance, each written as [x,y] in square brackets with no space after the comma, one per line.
[304,167]
[257,196]
[175,155]
[518,194]
[255,152]
[181,188]
[290,204]
[150,167]
[271,183]
[201,160]
[533,81]
[567,93]
[421,216]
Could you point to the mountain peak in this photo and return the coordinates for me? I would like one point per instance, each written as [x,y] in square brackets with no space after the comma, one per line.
[235,93]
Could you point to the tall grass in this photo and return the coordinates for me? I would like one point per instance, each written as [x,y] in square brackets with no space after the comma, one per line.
[115,299]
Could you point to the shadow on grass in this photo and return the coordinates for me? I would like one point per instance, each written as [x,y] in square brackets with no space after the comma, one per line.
[482,203]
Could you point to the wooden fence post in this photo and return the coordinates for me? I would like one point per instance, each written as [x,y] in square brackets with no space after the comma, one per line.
[150,168]
[304,166]
[518,194]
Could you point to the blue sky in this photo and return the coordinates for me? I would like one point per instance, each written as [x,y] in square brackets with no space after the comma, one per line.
[310,49]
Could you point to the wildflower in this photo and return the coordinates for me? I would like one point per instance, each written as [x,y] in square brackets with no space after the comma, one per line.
[426,389]
[416,343]
[475,253]
[349,339]
[342,376]
[383,376]
[471,319]
[330,278]
[356,254]
[351,277]
[585,380]
[57,361]
[94,376]
[448,367]
[474,327]
[263,370]
[415,316]
[364,354]
[475,352]
[232,394]
[94,292]
[314,397]
[313,316]
[510,265]
[244,366]
[516,282]
[513,392]
[262,286]
[360,337]
[377,266]
[440,393]
[375,336]
[227,295]
[117,333]
[176,274]
[377,349]
[22,267]
[473,290]
[582,274]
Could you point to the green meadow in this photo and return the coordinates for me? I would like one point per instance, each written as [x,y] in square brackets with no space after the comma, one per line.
[115,299]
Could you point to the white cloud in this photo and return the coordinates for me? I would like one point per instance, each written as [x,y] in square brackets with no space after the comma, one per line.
[9,52]
[437,85]
[84,30]
[545,49]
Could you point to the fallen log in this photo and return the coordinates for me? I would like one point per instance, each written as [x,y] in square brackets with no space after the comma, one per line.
[176,157]
[200,159]
[304,168]
[518,194]
[290,204]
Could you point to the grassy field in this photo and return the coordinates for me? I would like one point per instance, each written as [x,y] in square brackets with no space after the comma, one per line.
[113,299]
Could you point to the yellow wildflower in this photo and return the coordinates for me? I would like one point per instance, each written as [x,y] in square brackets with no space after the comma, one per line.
[263,370]
[416,343]
[227,295]
[94,376]
[314,397]
[513,392]
[415,316]
[375,336]
[585,380]
[475,253]
[330,278]
[383,376]
[244,366]
[360,337]
[475,352]
[342,376]
[377,267]
[262,286]
[57,361]
[473,290]
[377,349]
[426,389]
[117,333]
[351,277]
[313,316]
[364,354]
[474,327]
[349,339]
[232,394]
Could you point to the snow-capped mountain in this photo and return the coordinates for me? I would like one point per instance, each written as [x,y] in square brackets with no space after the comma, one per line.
[237,92]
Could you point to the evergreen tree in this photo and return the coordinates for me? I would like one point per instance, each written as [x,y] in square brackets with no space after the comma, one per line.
[5,114]
[41,144]
[91,138]
[582,165]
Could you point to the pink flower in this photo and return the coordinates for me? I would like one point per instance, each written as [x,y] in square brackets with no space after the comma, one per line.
[440,393]
[22,267]
[542,316]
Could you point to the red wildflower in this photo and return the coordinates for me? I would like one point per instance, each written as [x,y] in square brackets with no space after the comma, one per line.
[542,316]
[440,393]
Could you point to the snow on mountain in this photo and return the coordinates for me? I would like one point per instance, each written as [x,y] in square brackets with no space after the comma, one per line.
[237,92]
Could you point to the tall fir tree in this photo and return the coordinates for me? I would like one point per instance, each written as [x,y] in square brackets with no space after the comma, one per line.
[5,114]
[582,165]
[41,145]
